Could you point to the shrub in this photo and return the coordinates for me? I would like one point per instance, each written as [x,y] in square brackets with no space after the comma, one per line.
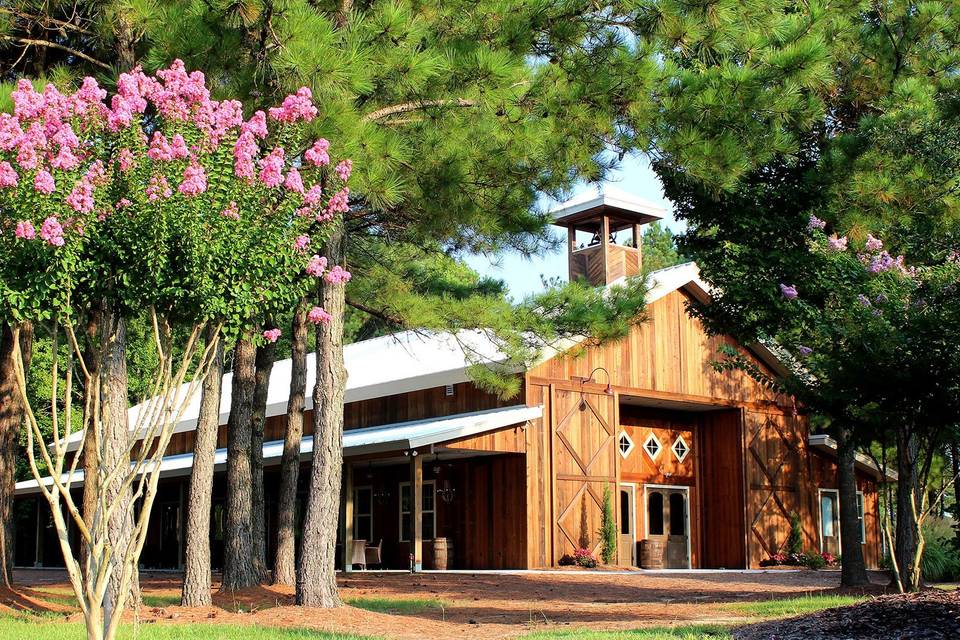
[941,558]
[816,561]
[795,540]
[608,529]
[567,560]
[585,558]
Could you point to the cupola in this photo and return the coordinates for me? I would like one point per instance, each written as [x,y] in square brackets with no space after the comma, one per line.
[604,237]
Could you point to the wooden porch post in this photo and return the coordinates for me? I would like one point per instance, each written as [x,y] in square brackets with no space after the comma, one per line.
[416,524]
[348,518]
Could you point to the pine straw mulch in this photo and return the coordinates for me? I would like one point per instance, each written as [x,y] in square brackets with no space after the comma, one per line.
[933,614]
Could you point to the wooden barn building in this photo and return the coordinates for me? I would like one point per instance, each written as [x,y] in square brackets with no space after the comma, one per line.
[708,464]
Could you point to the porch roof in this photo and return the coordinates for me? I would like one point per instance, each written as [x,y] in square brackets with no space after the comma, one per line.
[398,437]
[825,444]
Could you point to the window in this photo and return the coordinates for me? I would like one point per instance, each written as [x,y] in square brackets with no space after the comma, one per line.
[828,514]
[625,524]
[678,514]
[363,513]
[860,519]
[652,446]
[429,522]
[655,514]
[680,448]
[625,444]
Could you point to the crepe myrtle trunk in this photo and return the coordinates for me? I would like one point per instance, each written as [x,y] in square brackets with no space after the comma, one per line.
[238,569]
[258,527]
[955,463]
[116,441]
[11,417]
[196,574]
[90,483]
[909,542]
[316,579]
[284,565]
[853,569]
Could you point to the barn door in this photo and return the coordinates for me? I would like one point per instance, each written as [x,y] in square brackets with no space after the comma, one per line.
[584,461]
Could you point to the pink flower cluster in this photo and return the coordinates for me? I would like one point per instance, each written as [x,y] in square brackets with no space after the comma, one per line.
[343,169]
[43,182]
[158,189]
[298,106]
[8,175]
[338,275]
[837,243]
[318,153]
[318,315]
[232,211]
[272,335]
[160,149]
[25,230]
[316,266]
[52,232]
[301,243]
[271,168]
[194,180]
[81,198]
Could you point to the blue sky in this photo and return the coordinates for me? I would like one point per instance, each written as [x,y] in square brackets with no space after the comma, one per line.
[523,275]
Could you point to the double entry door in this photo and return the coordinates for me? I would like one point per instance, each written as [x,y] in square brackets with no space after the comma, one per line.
[668,520]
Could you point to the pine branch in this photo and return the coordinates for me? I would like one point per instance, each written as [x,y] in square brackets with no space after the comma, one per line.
[43,21]
[407,107]
[383,315]
[54,45]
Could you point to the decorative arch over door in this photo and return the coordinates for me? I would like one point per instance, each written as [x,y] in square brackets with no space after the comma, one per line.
[584,460]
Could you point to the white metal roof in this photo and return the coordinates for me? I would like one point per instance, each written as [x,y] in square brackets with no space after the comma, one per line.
[399,436]
[384,366]
[609,196]
[408,361]
[825,444]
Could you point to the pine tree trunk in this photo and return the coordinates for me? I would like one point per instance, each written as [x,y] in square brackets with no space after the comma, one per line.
[908,540]
[196,576]
[11,418]
[116,439]
[284,566]
[316,578]
[264,366]
[853,568]
[238,570]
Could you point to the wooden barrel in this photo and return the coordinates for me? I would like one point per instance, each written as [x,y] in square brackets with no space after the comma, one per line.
[651,554]
[442,552]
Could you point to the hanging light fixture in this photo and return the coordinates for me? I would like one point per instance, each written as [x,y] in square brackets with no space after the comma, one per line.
[381,495]
[447,493]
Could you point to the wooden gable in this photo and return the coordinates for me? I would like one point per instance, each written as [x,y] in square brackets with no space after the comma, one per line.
[670,356]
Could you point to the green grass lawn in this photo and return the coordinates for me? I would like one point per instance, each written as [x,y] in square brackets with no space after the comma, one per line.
[47,628]
[695,632]
[790,607]
[396,605]
[65,597]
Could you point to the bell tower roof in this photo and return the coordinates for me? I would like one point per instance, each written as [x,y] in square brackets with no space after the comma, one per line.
[622,208]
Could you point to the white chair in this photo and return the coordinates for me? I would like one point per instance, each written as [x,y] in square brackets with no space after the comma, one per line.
[357,555]
[372,554]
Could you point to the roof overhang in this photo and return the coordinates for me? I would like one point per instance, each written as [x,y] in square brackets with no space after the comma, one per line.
[825,444]
[611,201]
[397,437]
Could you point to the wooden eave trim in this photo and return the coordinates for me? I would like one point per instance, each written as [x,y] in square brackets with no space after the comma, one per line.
[618,390]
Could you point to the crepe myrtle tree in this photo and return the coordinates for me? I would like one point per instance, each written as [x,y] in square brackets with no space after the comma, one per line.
[849,319]
[163,200]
